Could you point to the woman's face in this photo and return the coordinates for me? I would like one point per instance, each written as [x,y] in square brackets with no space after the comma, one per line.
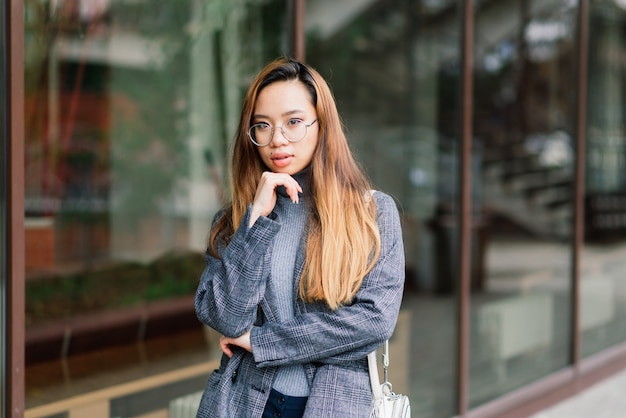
[286,104]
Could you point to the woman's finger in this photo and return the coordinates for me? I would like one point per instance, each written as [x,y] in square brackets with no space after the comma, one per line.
[225,346]
[292,189]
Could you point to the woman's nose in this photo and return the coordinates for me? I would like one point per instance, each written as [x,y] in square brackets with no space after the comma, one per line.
[278,138]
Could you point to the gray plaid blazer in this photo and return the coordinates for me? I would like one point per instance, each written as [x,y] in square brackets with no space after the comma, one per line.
[332,345]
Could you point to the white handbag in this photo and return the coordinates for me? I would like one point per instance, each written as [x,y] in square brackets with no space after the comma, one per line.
[386,403]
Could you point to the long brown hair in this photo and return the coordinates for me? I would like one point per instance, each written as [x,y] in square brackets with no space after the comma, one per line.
[343,242]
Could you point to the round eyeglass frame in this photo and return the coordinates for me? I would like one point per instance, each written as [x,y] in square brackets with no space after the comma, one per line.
[282,131]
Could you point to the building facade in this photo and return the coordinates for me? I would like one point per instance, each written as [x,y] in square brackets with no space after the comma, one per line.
[498,126]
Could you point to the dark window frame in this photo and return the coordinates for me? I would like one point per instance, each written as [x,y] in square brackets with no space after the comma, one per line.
[13,155]
[3,200]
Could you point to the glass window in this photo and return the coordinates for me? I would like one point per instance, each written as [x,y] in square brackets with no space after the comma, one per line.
[525,79]
[603,284]
[129,109]
[394,68]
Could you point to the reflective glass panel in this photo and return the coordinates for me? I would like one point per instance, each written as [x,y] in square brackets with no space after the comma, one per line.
[394,69]
[524,95]
[603,283]
[129,106]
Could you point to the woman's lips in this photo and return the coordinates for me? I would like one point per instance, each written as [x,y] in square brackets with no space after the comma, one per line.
[281,159]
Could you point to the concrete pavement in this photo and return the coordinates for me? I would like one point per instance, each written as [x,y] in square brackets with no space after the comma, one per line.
[606,399]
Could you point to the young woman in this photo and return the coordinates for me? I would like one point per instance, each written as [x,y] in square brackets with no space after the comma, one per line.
[305,268]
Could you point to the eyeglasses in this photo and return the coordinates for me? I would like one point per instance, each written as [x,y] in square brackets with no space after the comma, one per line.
[294,130]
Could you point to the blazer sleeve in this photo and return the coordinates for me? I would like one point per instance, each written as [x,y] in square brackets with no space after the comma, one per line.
[350,332]
[231,286]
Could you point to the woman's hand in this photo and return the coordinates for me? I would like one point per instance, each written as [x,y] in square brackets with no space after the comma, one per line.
[265,197]
[242,341]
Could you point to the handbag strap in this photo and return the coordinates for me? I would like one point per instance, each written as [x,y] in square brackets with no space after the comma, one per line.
[377,389]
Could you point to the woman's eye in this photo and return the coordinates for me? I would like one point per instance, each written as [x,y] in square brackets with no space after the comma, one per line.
[262,126]
[294,122]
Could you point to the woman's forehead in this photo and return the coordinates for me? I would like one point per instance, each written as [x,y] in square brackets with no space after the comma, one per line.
[283,98]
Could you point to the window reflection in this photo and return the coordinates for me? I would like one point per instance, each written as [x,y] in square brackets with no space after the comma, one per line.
[129,110]
[603,287]
[524,111]
[394,69]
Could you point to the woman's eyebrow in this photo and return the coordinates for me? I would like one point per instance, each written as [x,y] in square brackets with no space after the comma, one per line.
[293,112]
[288,113]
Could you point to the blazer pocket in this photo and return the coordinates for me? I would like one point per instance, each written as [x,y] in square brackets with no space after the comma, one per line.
[210,397]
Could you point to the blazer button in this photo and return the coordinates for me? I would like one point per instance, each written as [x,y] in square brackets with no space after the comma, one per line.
[234,376]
